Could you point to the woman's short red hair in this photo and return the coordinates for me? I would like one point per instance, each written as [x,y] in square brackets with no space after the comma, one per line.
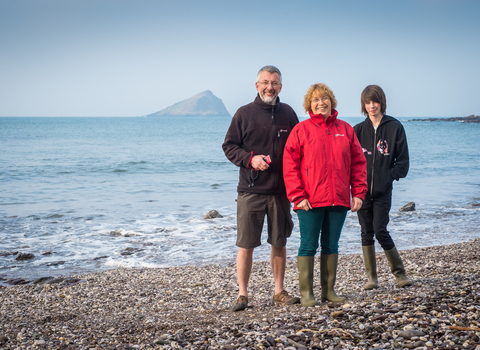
[321,90]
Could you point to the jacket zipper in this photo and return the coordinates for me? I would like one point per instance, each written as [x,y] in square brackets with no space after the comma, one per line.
[373,161]
[332,172]
[275,143]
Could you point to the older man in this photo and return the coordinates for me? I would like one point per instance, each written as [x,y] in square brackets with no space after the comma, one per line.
[254,142]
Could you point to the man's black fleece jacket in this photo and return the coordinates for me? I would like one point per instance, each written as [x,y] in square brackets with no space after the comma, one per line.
[259,128]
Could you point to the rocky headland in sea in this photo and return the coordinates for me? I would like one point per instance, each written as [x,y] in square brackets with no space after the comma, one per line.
[189,307]
[470,119]
[202,104]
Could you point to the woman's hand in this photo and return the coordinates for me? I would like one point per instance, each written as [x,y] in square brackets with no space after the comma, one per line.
[305,205]
[356,204]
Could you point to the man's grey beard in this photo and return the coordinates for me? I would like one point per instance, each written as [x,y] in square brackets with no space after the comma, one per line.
[272,102]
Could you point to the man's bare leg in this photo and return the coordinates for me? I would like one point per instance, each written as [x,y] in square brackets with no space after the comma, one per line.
[244,269]
[278,260]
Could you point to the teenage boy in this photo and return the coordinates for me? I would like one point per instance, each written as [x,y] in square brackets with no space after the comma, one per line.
[384,145]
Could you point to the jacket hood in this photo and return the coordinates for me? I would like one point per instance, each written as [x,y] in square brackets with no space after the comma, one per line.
[385,119]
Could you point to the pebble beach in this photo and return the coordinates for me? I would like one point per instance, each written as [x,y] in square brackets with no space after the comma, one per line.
[189,308]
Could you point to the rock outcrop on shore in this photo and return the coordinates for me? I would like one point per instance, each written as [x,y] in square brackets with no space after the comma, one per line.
[470,119]
[189,307]
[407,207]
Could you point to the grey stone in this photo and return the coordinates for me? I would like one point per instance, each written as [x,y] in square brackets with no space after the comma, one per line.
[25,256]
[408,207]
[409,334]
[213,214]
[419,344]
[42,280]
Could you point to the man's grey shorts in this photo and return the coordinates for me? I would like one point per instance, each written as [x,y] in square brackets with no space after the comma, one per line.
[251,211]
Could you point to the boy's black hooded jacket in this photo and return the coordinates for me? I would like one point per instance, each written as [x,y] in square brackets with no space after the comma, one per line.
[386,151]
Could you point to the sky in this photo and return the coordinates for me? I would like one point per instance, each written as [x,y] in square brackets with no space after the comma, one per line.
[132,58]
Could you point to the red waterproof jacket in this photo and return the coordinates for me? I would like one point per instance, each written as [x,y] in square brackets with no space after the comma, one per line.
[323,161]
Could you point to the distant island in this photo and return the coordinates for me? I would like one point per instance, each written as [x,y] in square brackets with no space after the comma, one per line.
[470,119]
[202,104]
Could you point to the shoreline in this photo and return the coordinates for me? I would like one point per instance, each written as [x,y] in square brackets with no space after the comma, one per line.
[18,279]
[189,307]
[470,119]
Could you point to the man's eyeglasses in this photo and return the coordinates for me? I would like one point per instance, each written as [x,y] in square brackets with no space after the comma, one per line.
[274,84]
[323,99]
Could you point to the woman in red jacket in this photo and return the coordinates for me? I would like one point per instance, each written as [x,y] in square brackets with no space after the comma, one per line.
[323,164]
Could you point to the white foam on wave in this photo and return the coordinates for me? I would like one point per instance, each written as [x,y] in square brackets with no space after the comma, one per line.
[125,233]
[131,262]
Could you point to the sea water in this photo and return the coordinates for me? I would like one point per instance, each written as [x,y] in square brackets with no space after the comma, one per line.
[89,194]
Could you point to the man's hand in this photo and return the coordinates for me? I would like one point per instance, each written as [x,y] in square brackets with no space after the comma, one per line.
[305,205]
[258,163]
[356,204]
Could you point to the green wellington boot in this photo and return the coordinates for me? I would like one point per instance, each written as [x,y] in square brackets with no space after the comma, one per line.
[328,275]
[396,266]
[305,266]
[370,266]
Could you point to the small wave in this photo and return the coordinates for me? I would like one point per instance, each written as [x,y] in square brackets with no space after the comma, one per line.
[130,262]
[16,203]
[54,216]
[165,230]
[224,228]
[124,233]
[143,191]
[137,163]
